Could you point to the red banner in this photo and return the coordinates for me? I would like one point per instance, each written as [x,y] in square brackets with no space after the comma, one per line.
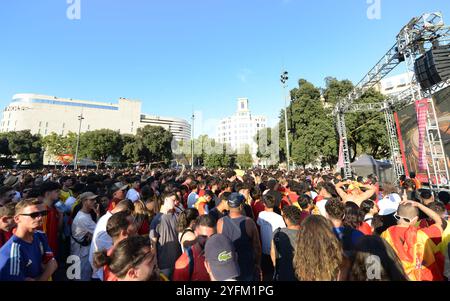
[421,112]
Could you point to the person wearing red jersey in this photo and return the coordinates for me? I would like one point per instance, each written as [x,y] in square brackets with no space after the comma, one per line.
[414,246]
[190,266]
[53,222]
[6,222]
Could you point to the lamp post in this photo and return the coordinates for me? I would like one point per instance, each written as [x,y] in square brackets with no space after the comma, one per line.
[284,79]
[80,118]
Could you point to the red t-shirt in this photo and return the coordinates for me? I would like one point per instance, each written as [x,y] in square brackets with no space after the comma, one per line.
[50,227]
[145,228]
[318,198]
[285,201]
[199,273]
[112,204]
[4,237]
[107,274]
[365,228]
[257,207]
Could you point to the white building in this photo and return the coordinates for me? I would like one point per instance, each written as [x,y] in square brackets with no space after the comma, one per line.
[43,114]
[395,84]
[241,128]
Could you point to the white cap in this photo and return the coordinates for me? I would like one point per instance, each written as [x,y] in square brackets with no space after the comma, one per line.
[389,204]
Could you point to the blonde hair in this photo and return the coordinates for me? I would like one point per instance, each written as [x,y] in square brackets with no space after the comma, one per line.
[26,203]
[318,254]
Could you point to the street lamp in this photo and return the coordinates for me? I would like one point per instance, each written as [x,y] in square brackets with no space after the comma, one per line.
[80,118]
[284,79]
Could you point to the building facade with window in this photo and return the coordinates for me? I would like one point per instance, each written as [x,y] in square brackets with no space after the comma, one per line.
[240,129]
[395,84]
[43,114]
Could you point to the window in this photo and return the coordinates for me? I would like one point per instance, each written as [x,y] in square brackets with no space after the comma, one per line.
[89,127]
[46,124]
[40,123]
[242,105]
[66,103]
[64,125]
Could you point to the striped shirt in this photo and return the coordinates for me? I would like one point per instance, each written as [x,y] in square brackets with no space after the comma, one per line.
[20,259]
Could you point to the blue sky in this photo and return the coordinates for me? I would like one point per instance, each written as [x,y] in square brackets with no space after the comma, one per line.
[176,55]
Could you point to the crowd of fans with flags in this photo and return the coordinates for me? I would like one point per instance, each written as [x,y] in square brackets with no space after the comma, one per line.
[219,224]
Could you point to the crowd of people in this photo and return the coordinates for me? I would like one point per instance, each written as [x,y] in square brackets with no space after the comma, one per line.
[219,224]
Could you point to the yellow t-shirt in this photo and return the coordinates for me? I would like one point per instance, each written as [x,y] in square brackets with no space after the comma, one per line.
[64,195]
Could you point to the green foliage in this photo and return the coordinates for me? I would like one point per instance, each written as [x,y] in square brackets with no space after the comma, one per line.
[245,160]
[56,145]
[25,147]
[311,132]
[100,144]
[152,144]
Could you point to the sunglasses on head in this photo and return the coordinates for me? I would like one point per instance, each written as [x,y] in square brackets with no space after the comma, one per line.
[35,215]
[398,217]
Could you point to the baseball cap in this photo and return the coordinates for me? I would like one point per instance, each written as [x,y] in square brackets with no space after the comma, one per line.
[11,181]
[88,196]
[389,204]
[221,257]
[235,200]
[118,186]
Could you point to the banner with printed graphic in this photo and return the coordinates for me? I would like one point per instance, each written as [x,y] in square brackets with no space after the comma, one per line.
[421,113]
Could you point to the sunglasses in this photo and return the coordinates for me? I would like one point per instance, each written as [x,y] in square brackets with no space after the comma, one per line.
[35,215]
[398,217]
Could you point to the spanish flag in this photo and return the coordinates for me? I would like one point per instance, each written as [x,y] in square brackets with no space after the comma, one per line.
[416,251]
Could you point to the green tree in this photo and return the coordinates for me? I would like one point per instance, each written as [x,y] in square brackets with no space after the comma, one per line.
[128,153]
[6,159]
[100,144]
[26,147]
[56,145]
[152,144]
[309,128]
[366,131]
[245,160]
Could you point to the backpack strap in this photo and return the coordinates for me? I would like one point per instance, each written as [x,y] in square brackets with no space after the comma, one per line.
[184,232]
[276,241]
[190,254]
[289,199]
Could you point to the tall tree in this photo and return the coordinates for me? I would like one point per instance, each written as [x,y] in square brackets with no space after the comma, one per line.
[98,145]
[56,145]
[152,144]
[25,146]
[308,126]
[244,160]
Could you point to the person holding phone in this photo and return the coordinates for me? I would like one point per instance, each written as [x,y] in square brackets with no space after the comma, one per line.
[83,228]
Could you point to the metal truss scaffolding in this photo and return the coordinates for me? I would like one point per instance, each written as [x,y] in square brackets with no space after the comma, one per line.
[418,36]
